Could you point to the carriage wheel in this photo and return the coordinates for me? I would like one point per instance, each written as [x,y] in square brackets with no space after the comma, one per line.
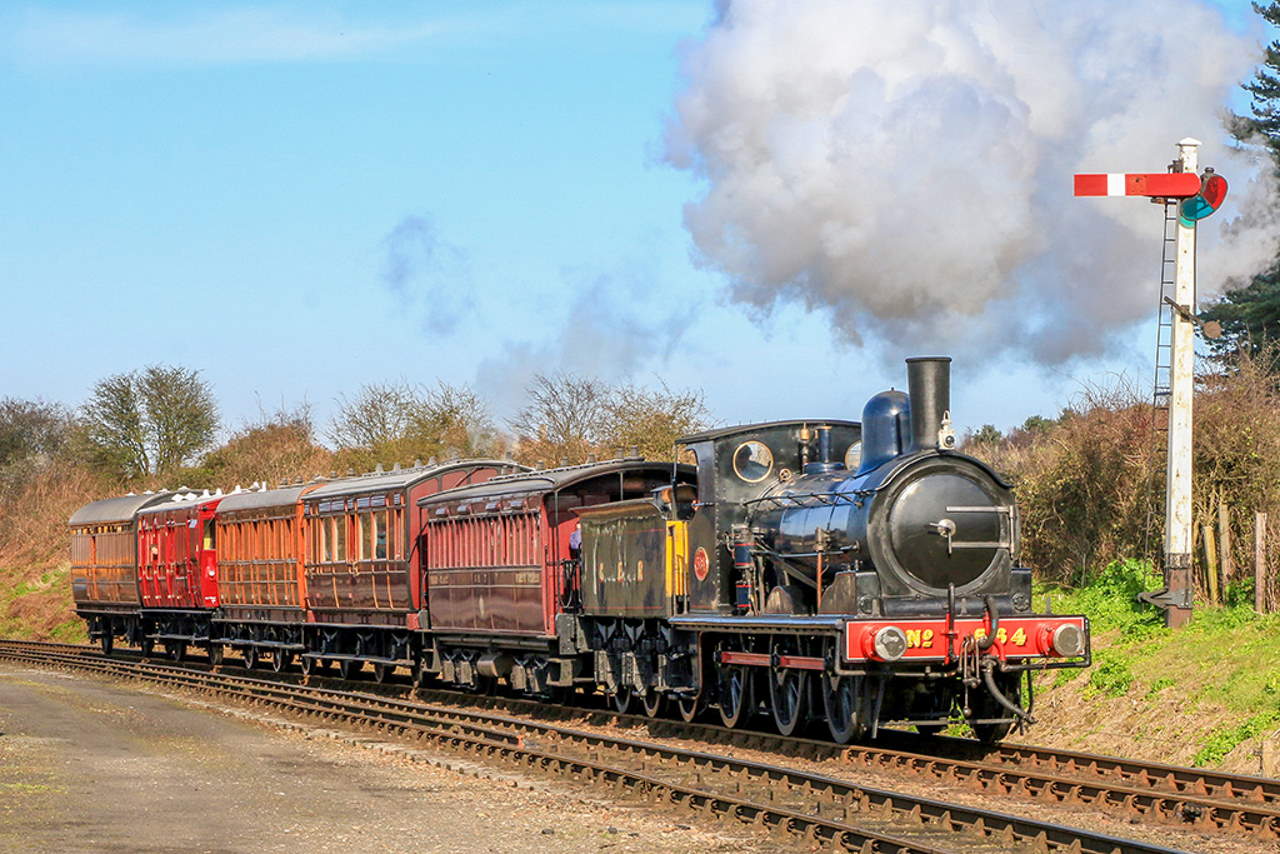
[841,703]
[788,689]
[307,664]
[420,674]
[735,694]
[688,708]
[251,657]
[177,650]
[381,671]
[215,654]
[280,660]
[148,647]
[622,700]
[108,641]
[652,702]
[349,667]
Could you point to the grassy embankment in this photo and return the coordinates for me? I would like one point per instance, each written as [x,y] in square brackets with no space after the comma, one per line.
[1207,694]
[35,587]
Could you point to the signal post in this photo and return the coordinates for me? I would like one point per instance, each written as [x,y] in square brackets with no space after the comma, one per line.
[1201,196]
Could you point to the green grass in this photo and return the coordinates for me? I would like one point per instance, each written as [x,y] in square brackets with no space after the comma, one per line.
[1223,664]
[1224,740]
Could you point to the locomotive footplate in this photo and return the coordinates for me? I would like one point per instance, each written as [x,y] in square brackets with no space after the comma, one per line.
[763,624]
[1049,641]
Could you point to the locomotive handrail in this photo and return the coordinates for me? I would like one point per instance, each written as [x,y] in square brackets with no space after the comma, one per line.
[829,498]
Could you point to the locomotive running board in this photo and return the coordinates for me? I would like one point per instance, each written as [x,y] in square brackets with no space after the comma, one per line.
[761,623]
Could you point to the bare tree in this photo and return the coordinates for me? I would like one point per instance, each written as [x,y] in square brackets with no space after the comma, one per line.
[377,415]
[277,447]
[150,422]
[651,420]
[571,417]
[389,422]
[562,419]
[31,429]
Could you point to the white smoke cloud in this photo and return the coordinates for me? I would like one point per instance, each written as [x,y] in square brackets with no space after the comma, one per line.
[906,166]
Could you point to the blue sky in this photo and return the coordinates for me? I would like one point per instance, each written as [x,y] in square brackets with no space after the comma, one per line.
[228,187]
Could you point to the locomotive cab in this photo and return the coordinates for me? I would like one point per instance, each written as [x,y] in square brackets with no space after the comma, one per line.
[735,466]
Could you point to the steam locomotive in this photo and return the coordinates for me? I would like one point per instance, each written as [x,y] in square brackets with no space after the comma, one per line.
[828,571]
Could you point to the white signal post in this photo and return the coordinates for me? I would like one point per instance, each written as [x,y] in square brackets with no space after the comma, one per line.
[1177,511]
[1202,196]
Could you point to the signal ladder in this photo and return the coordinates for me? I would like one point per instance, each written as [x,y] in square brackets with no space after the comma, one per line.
[1162,386]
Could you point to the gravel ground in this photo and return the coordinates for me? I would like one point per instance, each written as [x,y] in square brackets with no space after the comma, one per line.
[88,764]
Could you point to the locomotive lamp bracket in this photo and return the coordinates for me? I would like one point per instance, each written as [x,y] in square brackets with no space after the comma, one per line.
[946,435]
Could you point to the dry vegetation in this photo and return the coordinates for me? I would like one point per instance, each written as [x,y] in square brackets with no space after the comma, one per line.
[1090,484]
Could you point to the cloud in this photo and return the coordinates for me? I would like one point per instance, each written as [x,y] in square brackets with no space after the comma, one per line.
[226,36]
[287,34]
[427,274]
[906,167]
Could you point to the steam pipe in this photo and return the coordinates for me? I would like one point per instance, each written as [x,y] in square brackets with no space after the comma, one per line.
[824,444]
[929,385]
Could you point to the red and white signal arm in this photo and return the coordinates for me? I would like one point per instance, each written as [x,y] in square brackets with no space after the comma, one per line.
[1166,185]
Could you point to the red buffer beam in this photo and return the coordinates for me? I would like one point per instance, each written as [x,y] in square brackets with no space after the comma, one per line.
[1167,185]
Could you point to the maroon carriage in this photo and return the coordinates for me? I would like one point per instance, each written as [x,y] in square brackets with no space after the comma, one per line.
[362,566]
[501,567]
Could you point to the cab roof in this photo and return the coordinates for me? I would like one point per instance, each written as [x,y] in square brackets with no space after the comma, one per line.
[722,432]
[552,480]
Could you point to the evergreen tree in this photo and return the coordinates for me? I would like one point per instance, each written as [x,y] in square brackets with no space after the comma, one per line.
[1250,316]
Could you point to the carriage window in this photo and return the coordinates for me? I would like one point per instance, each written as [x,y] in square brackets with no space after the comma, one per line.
[752,461]
[210,538]
[339,533]
[853,456]
[380,535]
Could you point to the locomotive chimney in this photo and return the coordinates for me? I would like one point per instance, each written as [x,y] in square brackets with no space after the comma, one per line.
[929,385]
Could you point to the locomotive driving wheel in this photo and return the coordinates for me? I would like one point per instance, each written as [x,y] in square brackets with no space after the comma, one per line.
[688,708]
[622,700]
[788,688]
[735,694]
[841,700]
[652,702]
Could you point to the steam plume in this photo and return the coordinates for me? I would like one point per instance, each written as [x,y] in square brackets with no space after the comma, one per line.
[427,273]
[906,166]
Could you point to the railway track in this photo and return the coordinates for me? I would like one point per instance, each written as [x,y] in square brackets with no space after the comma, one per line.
[819,807]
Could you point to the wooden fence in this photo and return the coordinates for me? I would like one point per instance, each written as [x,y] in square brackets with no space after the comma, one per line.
[1221,553]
